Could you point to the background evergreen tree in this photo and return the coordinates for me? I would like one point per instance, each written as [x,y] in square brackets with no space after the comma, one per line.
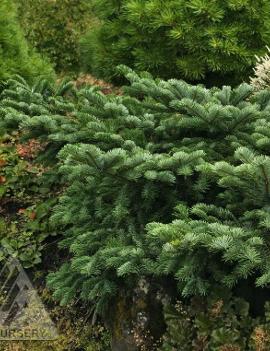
[55,28]
[215,41]
[16,57]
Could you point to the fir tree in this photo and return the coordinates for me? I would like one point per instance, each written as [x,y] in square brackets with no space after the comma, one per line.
[167,182]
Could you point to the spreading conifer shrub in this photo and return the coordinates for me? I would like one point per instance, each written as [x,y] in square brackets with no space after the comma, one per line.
[214,41]
[167,193]
[16,57]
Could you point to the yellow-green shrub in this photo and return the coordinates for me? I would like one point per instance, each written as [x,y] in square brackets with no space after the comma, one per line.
[16,57]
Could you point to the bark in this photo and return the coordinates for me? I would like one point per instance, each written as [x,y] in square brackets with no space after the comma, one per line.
[137,321]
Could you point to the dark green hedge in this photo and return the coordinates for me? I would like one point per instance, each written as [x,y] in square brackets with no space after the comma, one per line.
[55,27]
[214,41]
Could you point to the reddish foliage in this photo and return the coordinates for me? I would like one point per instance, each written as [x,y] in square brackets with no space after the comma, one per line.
[2,179]
[2,162]
[32,215]
[29,150]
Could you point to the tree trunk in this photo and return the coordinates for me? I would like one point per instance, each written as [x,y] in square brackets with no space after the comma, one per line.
[137,321]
